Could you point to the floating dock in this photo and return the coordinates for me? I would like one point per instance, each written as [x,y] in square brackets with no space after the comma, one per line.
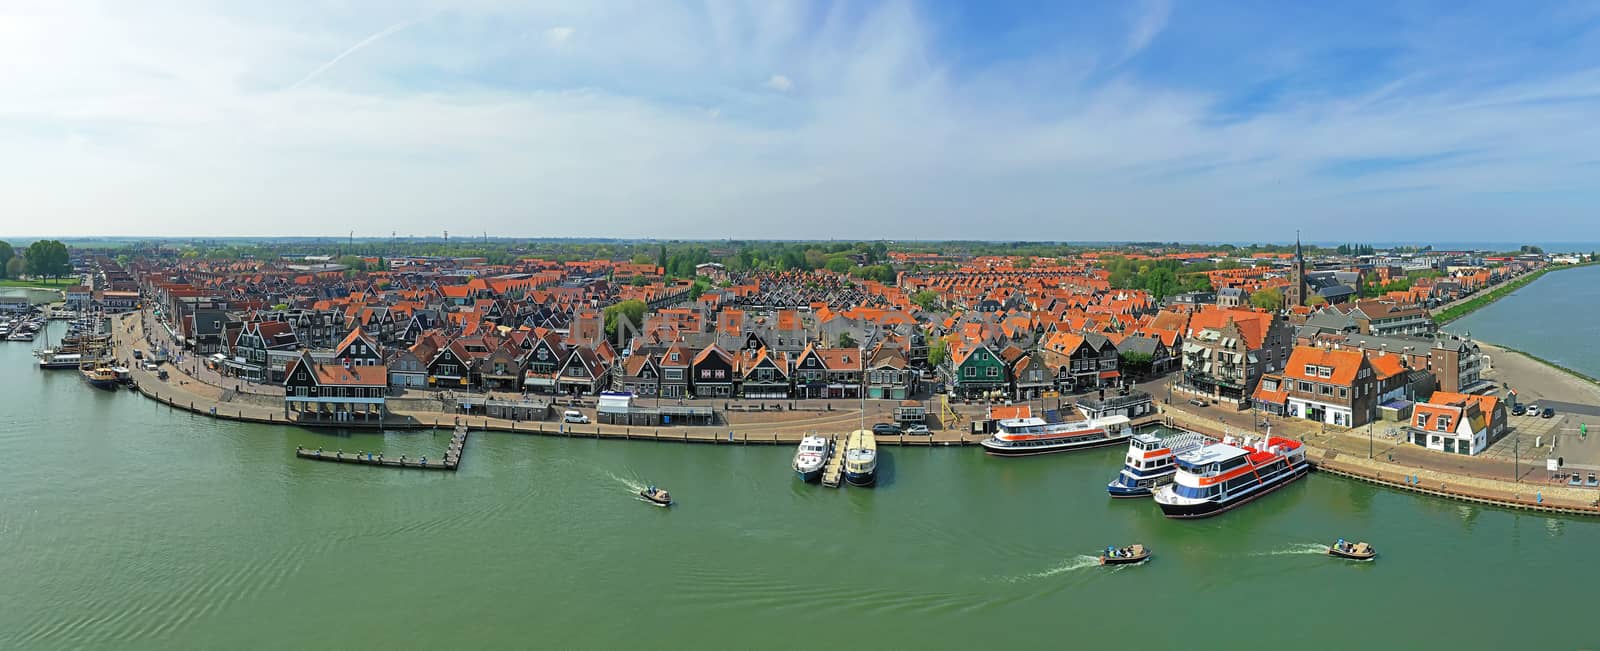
[833,471]
[451,460]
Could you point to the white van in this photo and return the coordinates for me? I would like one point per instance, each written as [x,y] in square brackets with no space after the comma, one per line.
[574,416]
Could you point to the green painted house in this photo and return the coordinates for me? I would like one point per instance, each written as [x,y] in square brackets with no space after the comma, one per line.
[977,370]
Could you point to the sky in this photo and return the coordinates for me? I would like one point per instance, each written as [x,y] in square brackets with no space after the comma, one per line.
[1125,120]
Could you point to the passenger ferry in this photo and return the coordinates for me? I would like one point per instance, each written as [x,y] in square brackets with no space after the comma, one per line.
[811,457]
[861,458]
[1017,437]
[1150,463]
[1217,477]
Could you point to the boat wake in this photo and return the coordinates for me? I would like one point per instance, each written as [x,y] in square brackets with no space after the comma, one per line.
[1296,549]
[632,484]
[1073,564]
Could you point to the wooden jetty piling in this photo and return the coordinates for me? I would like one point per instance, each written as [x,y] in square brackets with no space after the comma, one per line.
[451,460]
[833,471]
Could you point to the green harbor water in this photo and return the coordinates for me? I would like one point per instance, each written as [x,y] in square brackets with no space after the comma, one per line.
[126,525]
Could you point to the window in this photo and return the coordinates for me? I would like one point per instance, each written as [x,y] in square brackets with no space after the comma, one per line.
[1311,370]
[1422,421]
[1444,423]
[1324,372]
[1305,386]
[1325,389]
[970,372]
[992,372]
[1343,392]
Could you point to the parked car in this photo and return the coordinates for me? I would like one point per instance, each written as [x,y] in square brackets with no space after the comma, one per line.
[1548,413]
[1575,481]
[1197,402]
[1519,409]
[919,430]
[574,416]
[1592,481]
[886,429]
[1533,409]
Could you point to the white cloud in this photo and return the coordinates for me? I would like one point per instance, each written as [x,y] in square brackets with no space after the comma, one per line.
[128,119]
[558,35]
[779,83]
[1150,21]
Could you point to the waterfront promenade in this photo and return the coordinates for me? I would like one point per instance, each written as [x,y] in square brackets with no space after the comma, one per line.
[184,390]
[1520,483]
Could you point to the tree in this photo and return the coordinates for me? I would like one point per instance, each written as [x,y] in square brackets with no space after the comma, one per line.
[638,281]
[1269,299]
[6,254]
[1160,282]
[1022,263]
[48,258]
[846,341]
[926,300]
[880,272]
[839,264]
[1315,300]
[938,350]
[15,267]
[633,310]
[698,288]
[1136,362]
[353,262]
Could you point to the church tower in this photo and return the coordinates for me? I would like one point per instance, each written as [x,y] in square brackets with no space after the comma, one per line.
[1296,294]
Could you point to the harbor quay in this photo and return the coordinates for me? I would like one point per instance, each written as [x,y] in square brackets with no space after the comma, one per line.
[182,389]
[1345,452]
[1340,451]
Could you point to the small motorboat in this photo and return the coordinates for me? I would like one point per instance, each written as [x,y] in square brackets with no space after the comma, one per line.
[1354,551]
[1125,555]
[656,496]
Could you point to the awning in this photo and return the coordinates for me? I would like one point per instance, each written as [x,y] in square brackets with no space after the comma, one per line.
[1106,375]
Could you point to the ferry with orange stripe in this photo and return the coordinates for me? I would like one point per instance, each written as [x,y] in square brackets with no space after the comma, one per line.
[1017,437]
[1150,463]
[1217,477]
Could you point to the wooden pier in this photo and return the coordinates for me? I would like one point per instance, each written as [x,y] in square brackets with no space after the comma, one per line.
[450,461]
[833,471]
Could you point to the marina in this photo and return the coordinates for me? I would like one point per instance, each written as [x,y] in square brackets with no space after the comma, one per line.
[1296,511]
[339,520]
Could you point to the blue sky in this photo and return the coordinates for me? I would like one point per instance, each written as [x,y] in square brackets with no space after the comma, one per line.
[1207,121]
